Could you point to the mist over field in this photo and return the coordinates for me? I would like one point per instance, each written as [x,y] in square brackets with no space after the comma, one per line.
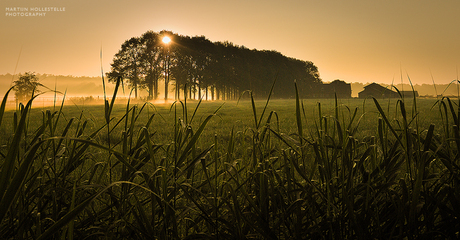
[84,86]
[75,86]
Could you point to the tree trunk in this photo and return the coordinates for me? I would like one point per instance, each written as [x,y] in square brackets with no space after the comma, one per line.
[177,91]
[166,78]
[185,92]
[151,90]
[194,88]
[166,89]
[223,92]
[212,93]
[155,88]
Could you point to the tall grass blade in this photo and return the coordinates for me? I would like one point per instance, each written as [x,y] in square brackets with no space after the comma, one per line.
[13,151]
[71,225]
[192,141]
[18,180]
[2,107]
[109,107]
[254,111]
[382,113]
[71,215]
[266,104]
[298,115]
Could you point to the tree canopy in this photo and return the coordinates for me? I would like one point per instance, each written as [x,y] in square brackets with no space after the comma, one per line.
[25,86]
[198,68]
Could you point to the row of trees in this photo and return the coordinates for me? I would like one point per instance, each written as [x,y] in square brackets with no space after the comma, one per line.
[199,68]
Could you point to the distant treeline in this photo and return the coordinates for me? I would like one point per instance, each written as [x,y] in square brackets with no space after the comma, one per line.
[195,66]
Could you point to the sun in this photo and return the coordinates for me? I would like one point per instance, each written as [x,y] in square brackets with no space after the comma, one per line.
[166,39]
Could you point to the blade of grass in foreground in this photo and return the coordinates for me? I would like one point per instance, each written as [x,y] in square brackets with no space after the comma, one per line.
[3,106]
[109,107]
[298,115]
[266,103]
[75,211]
[9,162]
[71,225]
[193,141]
[379,108]
[17,181]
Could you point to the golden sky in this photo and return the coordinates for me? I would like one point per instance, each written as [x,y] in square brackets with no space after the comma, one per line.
[353,40]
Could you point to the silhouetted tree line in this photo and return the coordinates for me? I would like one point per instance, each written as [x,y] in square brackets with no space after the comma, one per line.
[199,68]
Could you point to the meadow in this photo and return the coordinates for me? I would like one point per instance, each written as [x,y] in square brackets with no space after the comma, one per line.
[252,169]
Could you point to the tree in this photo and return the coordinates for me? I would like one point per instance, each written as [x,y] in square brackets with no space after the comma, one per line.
[25,86]
[152,59]
[127,64]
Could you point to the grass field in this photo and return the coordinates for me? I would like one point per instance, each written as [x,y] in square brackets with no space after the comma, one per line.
[277,169]
[238,115]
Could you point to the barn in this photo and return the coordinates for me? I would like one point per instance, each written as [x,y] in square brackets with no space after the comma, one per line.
[330,90]
[378,91]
